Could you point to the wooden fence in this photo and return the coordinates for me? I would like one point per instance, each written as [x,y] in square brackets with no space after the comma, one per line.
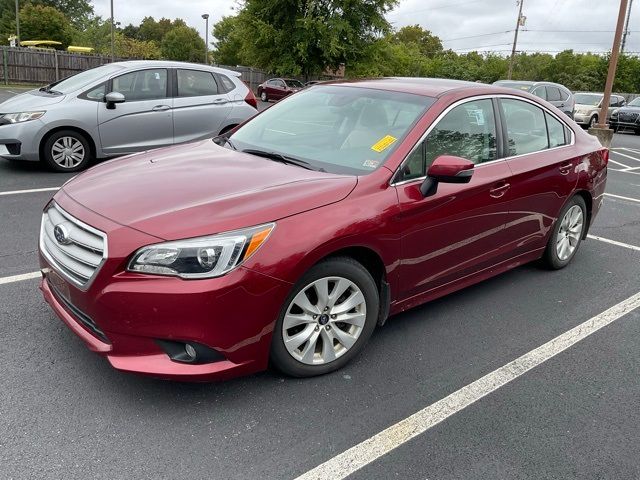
[41,67]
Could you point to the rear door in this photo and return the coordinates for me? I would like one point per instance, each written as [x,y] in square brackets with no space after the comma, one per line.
[144,120]
[276,89]
[545,172]
[555,97]
[199,105]
[460,229]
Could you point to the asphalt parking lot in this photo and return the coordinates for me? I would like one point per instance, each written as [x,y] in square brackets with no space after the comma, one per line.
[65,413]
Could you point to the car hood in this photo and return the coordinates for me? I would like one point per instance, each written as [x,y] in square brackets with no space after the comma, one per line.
[200,189]
[32,100]
[627,108]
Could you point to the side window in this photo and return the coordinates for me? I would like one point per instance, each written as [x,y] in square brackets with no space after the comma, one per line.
[526,128]
[97,93]
[279,83]
[227,83]
[540,92]
[556,131]
[467,131]
[142,85]
[553,94]
[565,94]
[196,83]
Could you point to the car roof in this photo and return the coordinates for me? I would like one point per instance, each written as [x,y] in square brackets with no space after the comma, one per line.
[430,87]
[132,64]
[530,82]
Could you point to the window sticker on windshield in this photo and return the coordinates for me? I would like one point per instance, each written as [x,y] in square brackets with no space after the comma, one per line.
[384,143]
[477,116]
[370,163]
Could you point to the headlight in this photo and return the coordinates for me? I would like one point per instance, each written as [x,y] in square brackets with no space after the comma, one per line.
[202,257]
[614,113]
[21,117]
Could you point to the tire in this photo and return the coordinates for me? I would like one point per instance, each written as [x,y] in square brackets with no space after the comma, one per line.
[311,328]
[263,96]
[593,121]
[560,252]
[66,151]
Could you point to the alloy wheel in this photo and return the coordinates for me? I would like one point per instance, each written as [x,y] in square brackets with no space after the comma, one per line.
[324,320]
[569,233]
[68,152]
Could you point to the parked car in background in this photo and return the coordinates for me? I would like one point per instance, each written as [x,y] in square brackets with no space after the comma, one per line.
[120,108]
[289,245]
[554,93]
[588,105]
[627,117]
[278,88]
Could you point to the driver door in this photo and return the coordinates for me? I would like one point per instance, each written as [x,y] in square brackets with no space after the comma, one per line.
[458,230]
[144,120]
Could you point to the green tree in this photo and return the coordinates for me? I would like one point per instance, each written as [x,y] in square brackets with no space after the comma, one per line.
[38,22]
[228,42]
[428,44]
[152,30]
[183,43]
[77,11]
[308,37]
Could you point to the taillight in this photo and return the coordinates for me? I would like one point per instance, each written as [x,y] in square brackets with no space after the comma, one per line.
[605,155]
[251,99]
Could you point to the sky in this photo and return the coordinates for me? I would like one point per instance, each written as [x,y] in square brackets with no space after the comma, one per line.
[551,25]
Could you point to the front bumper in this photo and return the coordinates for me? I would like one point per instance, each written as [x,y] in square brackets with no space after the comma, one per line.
[21,141]
[122,315]
[581,118]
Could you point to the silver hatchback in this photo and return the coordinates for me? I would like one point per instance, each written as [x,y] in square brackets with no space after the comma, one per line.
[122,108]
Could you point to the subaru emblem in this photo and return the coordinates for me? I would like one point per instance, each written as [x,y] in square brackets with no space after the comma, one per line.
[61,234]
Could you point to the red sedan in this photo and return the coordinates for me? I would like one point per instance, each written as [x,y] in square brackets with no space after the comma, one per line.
[289,240]
[278,88]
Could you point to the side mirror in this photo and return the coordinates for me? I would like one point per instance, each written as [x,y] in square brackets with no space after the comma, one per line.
[446,169]
[112,98]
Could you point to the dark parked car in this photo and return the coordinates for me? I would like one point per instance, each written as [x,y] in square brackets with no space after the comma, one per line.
[278,88]
[588,107]
[557,95]
[290,245]
[627,116]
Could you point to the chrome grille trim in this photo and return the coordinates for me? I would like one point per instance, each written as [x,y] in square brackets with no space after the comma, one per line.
[80,259]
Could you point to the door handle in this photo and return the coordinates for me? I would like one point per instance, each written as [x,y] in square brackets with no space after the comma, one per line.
[220,101]
[500,190]
[565,168]
[161,108]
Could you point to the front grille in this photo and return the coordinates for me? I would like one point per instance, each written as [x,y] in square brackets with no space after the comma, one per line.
[627,116]
[78,251]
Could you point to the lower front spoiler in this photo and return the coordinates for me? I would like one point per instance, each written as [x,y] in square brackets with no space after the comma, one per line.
[157,365]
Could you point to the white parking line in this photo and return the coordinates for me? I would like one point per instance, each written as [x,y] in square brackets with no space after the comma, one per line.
[369,450]
[621,197]
[626,156]
[613,242]
[33,190]
[19,278]
[632,150]
[618,163]
[626,170]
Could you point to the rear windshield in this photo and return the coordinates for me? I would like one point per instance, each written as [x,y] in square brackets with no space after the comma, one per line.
[587,99]
[517,85]
[338,129]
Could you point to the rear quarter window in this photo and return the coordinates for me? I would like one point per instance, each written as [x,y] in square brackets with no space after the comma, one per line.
[227,83]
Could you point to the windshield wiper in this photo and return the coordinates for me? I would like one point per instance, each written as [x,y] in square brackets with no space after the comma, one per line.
[47,89]
[279,157]
[225,139]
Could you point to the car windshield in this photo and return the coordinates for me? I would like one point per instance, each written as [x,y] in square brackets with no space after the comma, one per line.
[85,78]
[338,129]
[517,85]
[587,98]
[294,83]
[634,103]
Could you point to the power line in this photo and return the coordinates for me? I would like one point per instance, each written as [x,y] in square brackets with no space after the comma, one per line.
[476,36]
[573,31]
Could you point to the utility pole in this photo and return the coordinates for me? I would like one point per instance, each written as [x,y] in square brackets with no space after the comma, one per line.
[613,63]
[112,56]
[626,27]
[515,40]
[17,24]
[206,38]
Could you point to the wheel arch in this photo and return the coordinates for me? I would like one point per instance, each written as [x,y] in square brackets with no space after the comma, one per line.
[84,133]
[588,200]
